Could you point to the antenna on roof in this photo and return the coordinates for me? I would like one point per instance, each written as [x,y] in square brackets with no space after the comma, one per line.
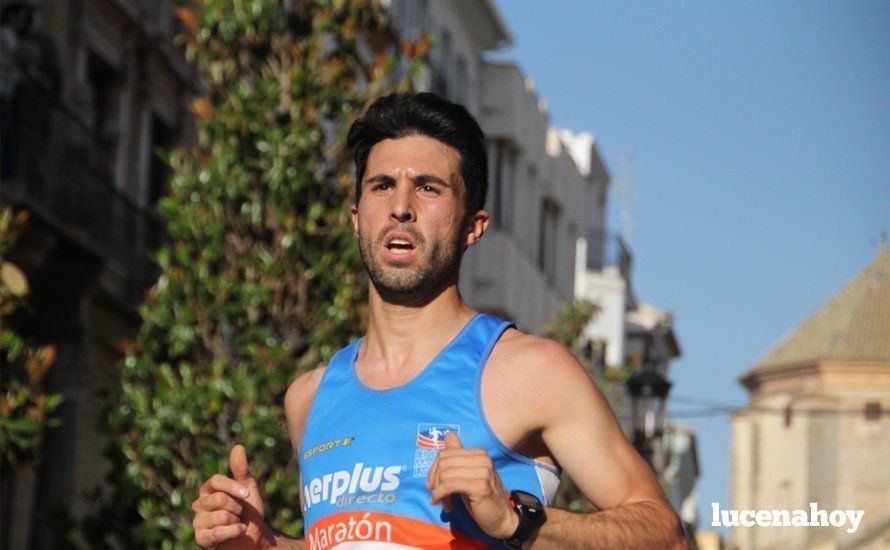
[880,240]
[625,189]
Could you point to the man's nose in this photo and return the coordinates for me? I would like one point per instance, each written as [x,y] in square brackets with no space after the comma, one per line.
[402,206]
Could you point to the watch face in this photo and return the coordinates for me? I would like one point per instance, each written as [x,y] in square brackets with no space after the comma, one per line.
[526,500]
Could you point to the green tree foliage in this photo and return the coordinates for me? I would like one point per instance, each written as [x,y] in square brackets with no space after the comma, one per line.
[261,279]
[567,325]
[25,408]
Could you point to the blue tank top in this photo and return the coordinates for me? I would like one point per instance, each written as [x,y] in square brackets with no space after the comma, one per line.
[365,453]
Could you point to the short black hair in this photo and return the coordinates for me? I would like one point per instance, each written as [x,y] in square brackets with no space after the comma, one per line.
[400,115]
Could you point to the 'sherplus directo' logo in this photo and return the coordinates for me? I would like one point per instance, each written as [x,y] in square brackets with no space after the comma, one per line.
[363,485]
[430,440]
[432,436]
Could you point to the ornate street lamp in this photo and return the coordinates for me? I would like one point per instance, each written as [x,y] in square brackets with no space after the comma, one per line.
[648,391]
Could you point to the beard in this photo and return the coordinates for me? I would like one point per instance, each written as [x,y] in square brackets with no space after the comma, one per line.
[431,270]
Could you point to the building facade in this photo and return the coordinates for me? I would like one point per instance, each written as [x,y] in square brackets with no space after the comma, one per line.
[99,86]
[548,244]
[816,428]
[547,187]
[681,472]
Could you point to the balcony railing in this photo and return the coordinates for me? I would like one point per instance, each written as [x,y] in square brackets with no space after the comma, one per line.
[61,171]
[609,249]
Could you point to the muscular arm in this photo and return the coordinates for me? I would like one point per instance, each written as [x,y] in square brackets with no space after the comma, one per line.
[579,428]
[633,525]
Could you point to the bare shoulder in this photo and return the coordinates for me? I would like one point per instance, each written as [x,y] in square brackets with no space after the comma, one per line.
[527,355]
[297,402]
[303,387]
[538,371]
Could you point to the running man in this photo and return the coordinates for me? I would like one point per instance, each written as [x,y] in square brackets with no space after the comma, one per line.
[518,409]
[435,432]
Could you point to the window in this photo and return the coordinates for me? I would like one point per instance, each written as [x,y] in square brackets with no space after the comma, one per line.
[403,10]
[413,17]
[755,456]
[422,21]
[158,172]
[442,68]
[601,200]
[104,106]
[460,81]
[595,354]
[502,175]
[599,363]
[531,174]
[547,239]
[573,240]
[508,184]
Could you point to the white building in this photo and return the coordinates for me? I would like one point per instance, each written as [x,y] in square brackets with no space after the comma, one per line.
[547,187]
[547,244]
[681,472]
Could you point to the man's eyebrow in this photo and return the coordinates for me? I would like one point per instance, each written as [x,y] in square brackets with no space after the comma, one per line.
[379,178]
[428,178]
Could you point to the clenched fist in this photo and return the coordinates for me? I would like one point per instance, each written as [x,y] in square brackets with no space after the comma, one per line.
[229,512]
[470,474]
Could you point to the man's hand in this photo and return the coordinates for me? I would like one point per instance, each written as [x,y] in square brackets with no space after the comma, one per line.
[471,474]
[229,512]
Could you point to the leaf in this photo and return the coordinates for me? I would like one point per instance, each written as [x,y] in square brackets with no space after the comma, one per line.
[188,16]
[39,363]
[13,278]
[23,425]
[201,108]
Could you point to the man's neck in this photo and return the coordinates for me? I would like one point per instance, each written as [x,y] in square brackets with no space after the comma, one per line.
[400,336]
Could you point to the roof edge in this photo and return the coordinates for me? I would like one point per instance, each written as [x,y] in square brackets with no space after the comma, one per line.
[506,38]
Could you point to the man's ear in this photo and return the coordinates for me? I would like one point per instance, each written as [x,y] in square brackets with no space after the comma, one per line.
[354,211]
[477,224]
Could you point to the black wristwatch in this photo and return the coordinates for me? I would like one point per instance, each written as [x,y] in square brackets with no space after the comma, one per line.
[531,516]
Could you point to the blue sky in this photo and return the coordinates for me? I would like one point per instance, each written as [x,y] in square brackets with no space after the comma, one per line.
[759,134]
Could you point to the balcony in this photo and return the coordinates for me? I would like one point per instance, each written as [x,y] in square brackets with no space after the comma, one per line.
[61,171]
[608,250]
[498,277]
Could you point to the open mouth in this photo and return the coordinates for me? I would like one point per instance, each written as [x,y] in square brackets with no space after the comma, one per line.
[400,245]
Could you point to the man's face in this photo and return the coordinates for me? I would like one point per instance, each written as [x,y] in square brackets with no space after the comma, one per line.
[411,220]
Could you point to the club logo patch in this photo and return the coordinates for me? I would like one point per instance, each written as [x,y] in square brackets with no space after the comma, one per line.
[430,440]
[432,436]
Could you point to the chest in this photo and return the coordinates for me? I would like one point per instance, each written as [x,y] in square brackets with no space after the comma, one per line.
[499,394]
[394,411]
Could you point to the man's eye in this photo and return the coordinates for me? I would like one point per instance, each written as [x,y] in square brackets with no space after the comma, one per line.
[381,186]
[428,188]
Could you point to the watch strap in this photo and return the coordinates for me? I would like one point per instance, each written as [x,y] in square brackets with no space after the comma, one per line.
[527,522]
